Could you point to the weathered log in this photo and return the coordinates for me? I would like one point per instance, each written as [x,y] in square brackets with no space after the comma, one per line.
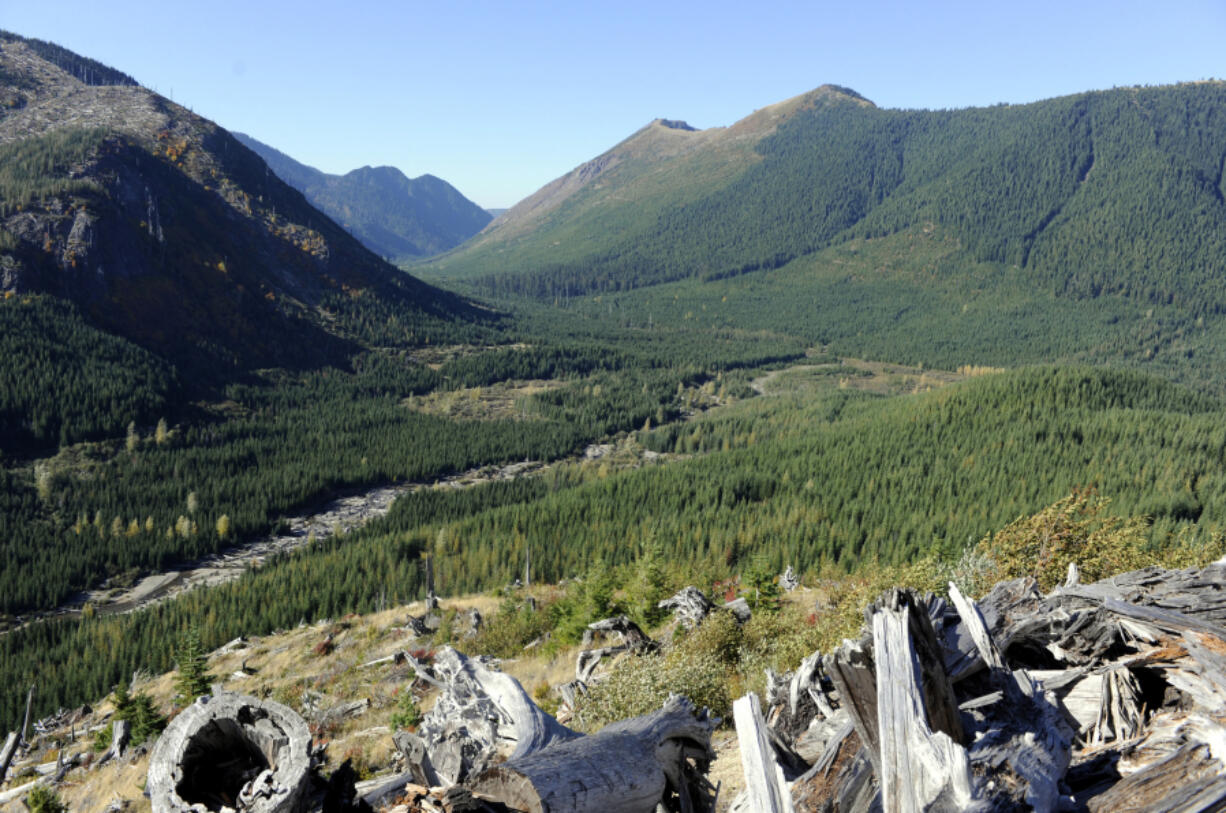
[920,768]
[7,753]
[481,713]
[230,749]
[764,782]
[628,767]
[788,580]
[1191,778]
[689,605]
[13,794]
[631,639]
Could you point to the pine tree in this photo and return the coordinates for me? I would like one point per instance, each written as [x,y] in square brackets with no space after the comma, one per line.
[193,678]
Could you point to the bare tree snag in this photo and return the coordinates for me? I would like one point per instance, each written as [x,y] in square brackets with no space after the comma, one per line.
[25,726]
[628,767]
[233,750]
[120,734]
[764,782]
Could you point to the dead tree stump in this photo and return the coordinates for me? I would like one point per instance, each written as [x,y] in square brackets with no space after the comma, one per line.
[232,750]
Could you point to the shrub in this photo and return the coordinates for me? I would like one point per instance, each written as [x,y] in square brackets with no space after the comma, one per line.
[407,715]
[641,685]
[42,799]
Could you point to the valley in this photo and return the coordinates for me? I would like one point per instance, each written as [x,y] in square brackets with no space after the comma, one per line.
[872,346]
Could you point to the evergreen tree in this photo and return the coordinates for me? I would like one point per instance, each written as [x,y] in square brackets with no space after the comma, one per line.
[193,678]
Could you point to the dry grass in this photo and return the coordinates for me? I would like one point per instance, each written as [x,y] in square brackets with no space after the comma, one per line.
[502,401]
[286,668]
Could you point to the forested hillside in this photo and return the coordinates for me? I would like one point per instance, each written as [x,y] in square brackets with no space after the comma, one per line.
[815,474]
[1064,190]
[396,217]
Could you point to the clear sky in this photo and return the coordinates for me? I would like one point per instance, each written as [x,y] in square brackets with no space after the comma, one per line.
[499,98]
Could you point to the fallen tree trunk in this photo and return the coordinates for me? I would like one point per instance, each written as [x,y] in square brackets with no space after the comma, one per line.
[628,767]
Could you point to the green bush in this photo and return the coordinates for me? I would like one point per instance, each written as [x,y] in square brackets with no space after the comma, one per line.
[641,685]
[43,799]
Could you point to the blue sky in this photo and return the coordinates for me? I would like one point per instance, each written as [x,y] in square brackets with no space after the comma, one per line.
[500,98]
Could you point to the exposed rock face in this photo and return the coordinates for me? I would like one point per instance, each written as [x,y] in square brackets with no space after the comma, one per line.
[235,751]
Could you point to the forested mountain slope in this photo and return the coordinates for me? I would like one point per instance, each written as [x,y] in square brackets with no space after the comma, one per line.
[1114,192]
[394,216]
[125,214]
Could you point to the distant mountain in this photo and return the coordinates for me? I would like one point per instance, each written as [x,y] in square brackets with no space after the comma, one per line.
[127,220]
[1116,192]
[495,213]
[392,215]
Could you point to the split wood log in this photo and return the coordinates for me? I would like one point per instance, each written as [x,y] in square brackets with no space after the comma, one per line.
[764,783]
[233,750]
[481,713]
[1177,766]
[628,767]
[7,753]
[920,768]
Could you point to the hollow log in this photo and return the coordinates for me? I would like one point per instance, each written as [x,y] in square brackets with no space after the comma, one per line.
[628,767]
[233,750]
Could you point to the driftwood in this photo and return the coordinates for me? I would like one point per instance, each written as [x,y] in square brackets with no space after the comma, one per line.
[232,750]
[628,767]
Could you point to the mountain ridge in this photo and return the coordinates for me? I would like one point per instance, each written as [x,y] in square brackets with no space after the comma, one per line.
[395,216]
